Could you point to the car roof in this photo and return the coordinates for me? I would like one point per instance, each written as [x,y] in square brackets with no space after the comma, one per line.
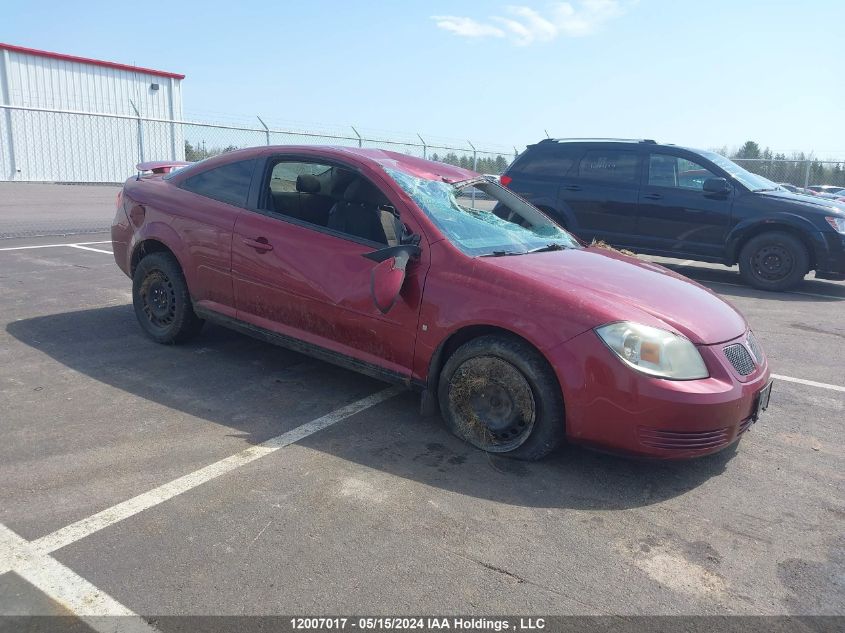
[587,141]
[413,165]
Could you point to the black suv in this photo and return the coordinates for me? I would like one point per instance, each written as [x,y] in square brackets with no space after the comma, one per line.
[680,202]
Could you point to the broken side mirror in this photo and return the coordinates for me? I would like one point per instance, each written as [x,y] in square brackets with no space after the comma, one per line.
[388,277]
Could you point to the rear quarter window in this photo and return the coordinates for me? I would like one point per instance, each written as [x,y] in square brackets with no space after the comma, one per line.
[555,164]
[609,165]
[227,183]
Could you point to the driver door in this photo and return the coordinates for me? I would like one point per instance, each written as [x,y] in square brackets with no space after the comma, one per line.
[312,283]
[675,213]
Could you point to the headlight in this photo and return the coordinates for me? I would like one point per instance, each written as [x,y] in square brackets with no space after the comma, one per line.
[654,351]
[837,222]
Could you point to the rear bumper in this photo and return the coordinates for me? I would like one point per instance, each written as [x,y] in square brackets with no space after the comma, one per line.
[612,407]
[121,237]
[120,247]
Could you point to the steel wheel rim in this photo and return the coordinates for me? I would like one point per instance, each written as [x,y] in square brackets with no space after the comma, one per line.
[773,262]
[492,404]
[158,299]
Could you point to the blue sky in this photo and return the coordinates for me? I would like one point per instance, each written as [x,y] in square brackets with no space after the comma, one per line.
[706,74]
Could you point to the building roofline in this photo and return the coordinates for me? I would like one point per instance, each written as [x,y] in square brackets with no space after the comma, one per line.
[86,60]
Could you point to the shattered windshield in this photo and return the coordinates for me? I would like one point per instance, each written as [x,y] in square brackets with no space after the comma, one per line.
[481,217]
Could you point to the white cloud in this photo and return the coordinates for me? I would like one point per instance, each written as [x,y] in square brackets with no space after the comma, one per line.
[466,27]
[592,14]
[524,25]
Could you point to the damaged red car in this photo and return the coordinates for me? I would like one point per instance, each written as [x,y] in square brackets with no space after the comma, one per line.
[440,279]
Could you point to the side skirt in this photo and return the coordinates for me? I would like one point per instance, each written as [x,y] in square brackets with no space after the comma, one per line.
[315,351]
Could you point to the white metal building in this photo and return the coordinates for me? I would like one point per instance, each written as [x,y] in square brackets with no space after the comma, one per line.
[71,119]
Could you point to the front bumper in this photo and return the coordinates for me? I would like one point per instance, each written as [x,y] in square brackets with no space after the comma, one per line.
[830,261]
[612,407]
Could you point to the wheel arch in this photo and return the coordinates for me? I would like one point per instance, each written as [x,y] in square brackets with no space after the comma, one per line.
[146,247]
[742,236]
[450,344]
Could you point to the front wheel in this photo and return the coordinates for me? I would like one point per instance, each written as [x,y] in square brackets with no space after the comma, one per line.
[773,261]
[161,300]
[499,394]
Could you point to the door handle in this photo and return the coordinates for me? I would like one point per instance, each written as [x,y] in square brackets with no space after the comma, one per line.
[572,187]
[653,196]
[260,244]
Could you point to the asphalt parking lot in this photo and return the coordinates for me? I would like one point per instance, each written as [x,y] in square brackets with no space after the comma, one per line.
[227,476]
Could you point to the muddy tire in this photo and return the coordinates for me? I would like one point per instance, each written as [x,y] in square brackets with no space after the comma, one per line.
[773,261]
[500,395]
[161,300]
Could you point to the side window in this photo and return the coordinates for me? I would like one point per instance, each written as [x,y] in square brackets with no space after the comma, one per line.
[331,197]
[548,163]
[362,213]
[227,183]
[609,165]
[300,190]
[673,171]
[284,175]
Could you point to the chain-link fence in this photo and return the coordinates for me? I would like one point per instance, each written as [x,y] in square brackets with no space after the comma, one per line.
[797,173]
[48,145]
[44,145]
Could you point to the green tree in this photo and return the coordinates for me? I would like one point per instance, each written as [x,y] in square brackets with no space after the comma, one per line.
[749,150]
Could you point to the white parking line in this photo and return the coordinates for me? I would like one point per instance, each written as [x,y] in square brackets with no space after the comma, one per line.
[76,244]
[66,587]
[79,530]
[810,383]
[787,292]
[88,248]
[687,262]
[31,560]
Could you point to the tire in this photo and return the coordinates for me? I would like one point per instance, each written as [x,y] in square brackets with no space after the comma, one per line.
[499,394]
[773,261]
[161,300]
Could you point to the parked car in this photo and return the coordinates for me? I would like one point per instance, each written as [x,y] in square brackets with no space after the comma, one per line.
[681,202]
[797,189]
[373,260]
[825,188]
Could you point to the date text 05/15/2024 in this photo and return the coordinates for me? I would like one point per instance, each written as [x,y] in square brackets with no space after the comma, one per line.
[465,624]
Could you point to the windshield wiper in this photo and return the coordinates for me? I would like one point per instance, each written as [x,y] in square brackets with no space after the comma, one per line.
[554,246]
[502,253]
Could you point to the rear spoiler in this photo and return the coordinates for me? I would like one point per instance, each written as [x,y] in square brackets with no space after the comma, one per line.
[161,166]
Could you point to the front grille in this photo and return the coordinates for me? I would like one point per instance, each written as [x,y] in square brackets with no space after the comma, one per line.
[740,359]
[755,348]
[745,425]
[683,440]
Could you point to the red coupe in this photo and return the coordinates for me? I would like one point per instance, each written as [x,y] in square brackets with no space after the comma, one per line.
[441,279]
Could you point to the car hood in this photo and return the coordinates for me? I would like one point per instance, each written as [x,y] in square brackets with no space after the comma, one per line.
[804,199]
[606,286]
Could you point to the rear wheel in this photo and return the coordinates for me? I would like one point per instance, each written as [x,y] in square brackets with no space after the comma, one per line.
[499,394]
[161,300]
[773,261]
